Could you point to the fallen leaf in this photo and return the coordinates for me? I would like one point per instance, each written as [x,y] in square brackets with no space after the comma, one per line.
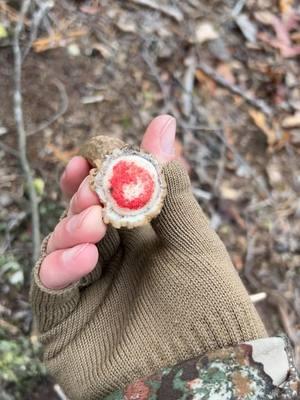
[261,122]
[292,121]
[3,32]
[205,32]
[282,28]
[57,40]
[91,10]
[60,155]
[228,192]
[11,13]
[126,24]
[224,70]
[207,82]
[265,17]
[247,27]
[285,6]
[274,174]
[39,186]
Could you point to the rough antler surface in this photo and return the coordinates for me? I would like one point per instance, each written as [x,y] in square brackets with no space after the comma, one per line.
[129,182]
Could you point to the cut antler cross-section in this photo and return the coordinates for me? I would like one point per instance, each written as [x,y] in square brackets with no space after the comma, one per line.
[129,183]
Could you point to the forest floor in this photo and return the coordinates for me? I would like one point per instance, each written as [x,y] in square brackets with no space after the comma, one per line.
[227,70]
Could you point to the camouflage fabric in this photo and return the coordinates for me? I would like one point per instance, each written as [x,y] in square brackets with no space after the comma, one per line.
[226,374]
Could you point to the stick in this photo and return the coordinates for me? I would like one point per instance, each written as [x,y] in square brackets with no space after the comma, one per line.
[257,297]
[59,392]
[63,108]
[18,112]
[170,11]
[44,7]
[257,103]
[188,84]
[238,8]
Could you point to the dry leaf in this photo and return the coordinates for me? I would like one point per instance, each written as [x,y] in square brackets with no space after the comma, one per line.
[247,27]
[228,192]
[224,70]
[292,121]
[62,155]
[207,82]
[260,121]
[265,17]
[205,32]
[57,40]
[285,6]
[91,10]
[282,28]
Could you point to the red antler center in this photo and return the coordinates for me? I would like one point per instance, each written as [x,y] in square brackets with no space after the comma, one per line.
[131,185]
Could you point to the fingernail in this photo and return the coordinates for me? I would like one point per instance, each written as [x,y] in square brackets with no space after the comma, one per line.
[75,222]
[69,254]
[167,137]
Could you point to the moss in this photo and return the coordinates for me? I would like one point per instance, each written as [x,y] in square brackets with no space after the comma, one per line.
[20,368]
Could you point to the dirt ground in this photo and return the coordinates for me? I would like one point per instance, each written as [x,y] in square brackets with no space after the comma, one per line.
[227,70]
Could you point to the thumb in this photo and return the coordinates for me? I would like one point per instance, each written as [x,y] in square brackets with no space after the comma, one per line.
[181,217]
[159,139]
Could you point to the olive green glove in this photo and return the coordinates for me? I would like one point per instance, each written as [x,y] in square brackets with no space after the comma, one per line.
[160,294]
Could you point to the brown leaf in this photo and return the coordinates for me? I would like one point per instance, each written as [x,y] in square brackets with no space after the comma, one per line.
[225,71]
[261,122]
[285,6]
[62,155]
[57,40]
[282,28]
[207,82]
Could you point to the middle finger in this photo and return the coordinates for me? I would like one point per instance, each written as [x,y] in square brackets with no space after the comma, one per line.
[86,227]
[83,198]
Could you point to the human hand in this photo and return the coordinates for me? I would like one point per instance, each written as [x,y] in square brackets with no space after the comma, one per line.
[158,294]
[71,250]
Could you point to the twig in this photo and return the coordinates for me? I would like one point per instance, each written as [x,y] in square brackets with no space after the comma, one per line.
[170,11]
[155,73]
[202,194]
[11,13]
[258,297]
[221,168]
[92,99]
[238,8]
[63,108]
[37,18]
[188,84]
[18,112]
[257,103]
[59,392]
[9,150]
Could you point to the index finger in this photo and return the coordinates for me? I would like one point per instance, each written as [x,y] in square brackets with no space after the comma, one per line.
[75,172]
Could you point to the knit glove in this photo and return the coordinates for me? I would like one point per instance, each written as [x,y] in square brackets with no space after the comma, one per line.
[159,294]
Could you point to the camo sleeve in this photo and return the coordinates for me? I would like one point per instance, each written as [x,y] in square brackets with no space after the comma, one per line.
[263,369]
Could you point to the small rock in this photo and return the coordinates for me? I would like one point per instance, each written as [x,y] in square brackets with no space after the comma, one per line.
[290,80]
[229,193]
[5,199]
[274,174]
[126,24]
[73,50]
[205,32]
